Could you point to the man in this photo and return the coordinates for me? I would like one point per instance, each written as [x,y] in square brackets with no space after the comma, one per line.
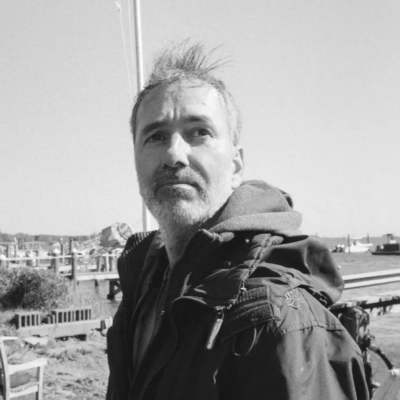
[227,300]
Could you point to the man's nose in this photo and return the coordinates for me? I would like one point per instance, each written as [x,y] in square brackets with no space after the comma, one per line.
[176,155]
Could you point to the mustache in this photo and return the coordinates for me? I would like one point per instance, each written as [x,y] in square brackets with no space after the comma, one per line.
[184,175]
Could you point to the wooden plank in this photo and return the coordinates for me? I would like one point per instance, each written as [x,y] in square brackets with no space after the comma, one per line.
[390,387]
[371,275]
[373,282]
[371,278]
[60,330]
[98,276]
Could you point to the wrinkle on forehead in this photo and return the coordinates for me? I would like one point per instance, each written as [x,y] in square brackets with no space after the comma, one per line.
[175,91]
[163,100]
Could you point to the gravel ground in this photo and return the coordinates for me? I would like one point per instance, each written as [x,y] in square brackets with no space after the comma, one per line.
[75,370]
[78,369]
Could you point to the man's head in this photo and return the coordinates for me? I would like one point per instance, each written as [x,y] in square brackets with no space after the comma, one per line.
[180,62]
[186,130]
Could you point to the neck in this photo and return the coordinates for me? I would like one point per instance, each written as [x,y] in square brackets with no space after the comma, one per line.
[176,239]
[176,235]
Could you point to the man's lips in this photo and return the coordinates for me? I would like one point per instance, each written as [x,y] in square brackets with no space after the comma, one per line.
[184,179]
[176,184]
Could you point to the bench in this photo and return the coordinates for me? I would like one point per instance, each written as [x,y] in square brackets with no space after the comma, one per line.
[34,385]
[389,387]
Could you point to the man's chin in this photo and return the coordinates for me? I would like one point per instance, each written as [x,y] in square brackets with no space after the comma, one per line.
[179,211]
[179,204]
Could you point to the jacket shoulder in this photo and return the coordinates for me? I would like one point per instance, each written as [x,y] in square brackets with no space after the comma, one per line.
[135,248]
[131,261]
[136,241]
[283,306]
[301,310]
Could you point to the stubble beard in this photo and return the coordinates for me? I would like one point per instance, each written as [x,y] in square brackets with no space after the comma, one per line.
[181,209]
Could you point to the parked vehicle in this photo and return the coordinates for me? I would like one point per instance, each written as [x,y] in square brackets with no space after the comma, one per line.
[391,248]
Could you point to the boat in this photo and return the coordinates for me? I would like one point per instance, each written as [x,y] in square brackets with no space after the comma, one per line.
[356,246]
[391,248]
[339,248]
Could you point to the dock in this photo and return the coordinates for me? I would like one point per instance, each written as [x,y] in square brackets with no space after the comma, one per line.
[79,268]
[76,268]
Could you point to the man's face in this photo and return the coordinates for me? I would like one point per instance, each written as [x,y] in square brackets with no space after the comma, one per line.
[186,164]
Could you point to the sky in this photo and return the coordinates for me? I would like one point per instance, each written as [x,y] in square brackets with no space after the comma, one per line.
[317,83]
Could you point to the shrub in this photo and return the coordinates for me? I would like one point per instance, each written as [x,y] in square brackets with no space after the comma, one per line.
[28,288]
[5,281]
[7,326]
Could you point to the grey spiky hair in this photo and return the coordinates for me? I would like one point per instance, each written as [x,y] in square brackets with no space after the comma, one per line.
[183,61]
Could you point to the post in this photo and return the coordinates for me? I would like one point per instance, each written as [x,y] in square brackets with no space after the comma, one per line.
[8,251]
[115,263]
[110,261]
[106,259]
[110,295]
[74,269]
[114,288]
[16,246]
[37,255]
[348,241]
[56,264]
[98,263]
[70,248]
[62,250]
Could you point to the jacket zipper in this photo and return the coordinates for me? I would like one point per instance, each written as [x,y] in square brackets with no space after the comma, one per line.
[220,314]
[216,327]
[219,318]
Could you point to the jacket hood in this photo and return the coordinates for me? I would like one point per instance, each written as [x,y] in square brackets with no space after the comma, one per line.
[258,206]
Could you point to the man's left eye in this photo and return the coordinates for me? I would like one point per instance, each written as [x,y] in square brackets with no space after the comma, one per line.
[201,132]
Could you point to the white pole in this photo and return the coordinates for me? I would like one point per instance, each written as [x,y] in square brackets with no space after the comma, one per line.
[140,84]
[138,38]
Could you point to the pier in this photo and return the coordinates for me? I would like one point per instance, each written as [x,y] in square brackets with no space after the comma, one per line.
[76,268]
[103,267]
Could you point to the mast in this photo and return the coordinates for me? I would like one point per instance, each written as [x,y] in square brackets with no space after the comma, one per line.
[140,84]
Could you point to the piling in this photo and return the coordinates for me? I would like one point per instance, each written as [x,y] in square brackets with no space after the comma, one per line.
[106,259]
[74,269]
[56,264]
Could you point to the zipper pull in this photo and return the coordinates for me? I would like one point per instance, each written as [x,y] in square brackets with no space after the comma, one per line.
[215,328]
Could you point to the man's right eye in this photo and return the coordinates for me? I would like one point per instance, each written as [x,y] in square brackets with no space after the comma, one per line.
[155,137]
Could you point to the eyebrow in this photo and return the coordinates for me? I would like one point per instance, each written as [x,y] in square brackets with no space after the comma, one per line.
[162,123]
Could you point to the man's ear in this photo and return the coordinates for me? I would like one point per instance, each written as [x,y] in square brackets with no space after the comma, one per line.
[238,166]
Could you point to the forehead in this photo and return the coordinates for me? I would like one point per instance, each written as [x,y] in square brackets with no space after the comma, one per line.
[181,99]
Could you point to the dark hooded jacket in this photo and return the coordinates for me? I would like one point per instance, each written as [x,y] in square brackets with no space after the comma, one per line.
[243,315]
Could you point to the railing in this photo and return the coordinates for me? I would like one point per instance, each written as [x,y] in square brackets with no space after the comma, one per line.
[67,264]
[73,265]
[371,278]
